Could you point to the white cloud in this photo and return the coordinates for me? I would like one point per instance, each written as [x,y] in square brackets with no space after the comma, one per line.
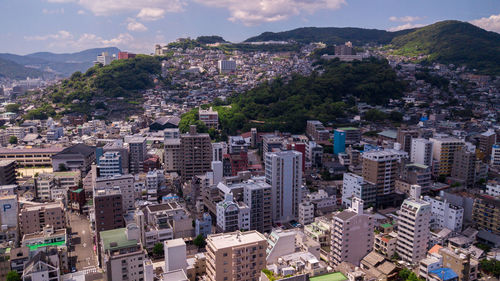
[60,35]
[51,12]
[251,12]
[405,19]
[111,7]
[405,26]
[133,25]
[151,14]
[491,23]
[81,12]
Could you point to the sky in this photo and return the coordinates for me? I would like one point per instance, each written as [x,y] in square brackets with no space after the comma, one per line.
[59,26]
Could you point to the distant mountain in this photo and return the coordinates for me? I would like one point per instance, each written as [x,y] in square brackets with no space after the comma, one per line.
[331,35]
[64,64]
[12,70]
[454,42]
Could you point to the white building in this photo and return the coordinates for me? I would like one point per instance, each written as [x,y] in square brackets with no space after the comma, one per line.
[226,66]
[284,174]
[232,216]
[306,212]
[413,227]
[218,150]
[105,58]
[421,152]
[8,210]
[110,164]
[445,215]
[354,186]
[493,188]
[175,255]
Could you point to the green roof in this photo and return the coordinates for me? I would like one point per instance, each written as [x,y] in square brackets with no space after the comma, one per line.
[119,236]
[34,247]
[348,129]
[417,165]
[389,134]
[336,276]
[386,225]
[77,191]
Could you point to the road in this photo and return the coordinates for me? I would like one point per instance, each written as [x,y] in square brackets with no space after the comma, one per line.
[83,249]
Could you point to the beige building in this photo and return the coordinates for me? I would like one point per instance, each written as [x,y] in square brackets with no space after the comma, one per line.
[352,234]
[196,154]
[461,263]
[464,165]
[443,153]
[173,158]
[34,218]
[385,244]
[236,256]
[30,157]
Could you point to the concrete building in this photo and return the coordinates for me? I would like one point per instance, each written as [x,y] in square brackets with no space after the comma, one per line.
[105,58]
[196,154]
[175,254]
[9,211]
[110,164]
[78,157]
[352,235]
[218,150]
[209,117]
[236,256]
[306,212]
[108,208]
[461,262]
[118,146]
[203,226]
[123,183]
[486,142]
[283,172]
[138,153]
[339,137]
[445,215]
[231,215]
[316,131]
[355,186]
[30,157]
[385,244]
[421,152]
[41,268]
[413,227]
[486,213]
[405,138]
[495,155]
[493,188]
[443,153]
[257,195]
[173,159]
[33,218]
[7,172]
[414,174]
[226,66]
[380,169]
[464,165]
[122,254]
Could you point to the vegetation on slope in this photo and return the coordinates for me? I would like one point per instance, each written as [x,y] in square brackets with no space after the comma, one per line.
[12,70]
[455,42]
[121,79]
[331,35]
[287,106]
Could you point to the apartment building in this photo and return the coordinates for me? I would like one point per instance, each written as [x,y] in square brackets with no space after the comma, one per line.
[316,131]
[413,227]
[486,213]
[421,151]
[232,215]
[7,172]
[444,214]
[257,196]
[110,164]
[405,138]
[464,165]
[108,210]
[173,159]
[414,174]
[122,254]
[385,244]
[236,256]
[495,155]
[196,154]
[352,234]
[209,117]
[137,154]
[443,153]
[33,218]
[124,183]
[283,172]
[306,212]
[355,186]
[486,142]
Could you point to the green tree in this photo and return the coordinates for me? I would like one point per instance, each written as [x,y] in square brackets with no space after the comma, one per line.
[62,167]
[199,241]
[13,276]
[13,107]
[13,140]
[158,249]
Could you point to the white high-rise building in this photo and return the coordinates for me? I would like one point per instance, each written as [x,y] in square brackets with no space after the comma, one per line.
[232,216]
[227,66]
[175,254]
[495,155]
[110,164]
[355,186]
[445,215]
[218,150]
[413,227]
[105,58]
[284,174]
[421,152]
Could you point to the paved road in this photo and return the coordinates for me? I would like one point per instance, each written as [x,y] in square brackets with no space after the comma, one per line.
[82,242]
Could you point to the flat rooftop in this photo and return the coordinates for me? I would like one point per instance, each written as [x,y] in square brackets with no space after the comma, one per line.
[227,240]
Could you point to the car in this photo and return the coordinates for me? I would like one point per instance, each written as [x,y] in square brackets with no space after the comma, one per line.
[73,269]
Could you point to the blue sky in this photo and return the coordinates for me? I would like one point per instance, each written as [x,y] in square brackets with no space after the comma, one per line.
[136,25]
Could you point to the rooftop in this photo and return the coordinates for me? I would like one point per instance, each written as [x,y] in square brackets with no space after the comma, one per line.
[335,276]
[226,240]
[116,239]
[444,273]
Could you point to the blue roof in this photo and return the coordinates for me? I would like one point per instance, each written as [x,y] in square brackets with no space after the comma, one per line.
[444,273]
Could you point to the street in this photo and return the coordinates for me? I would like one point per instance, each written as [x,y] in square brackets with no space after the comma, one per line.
[82,256]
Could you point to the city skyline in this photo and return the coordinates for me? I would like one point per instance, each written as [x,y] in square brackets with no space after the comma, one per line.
[74,25]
